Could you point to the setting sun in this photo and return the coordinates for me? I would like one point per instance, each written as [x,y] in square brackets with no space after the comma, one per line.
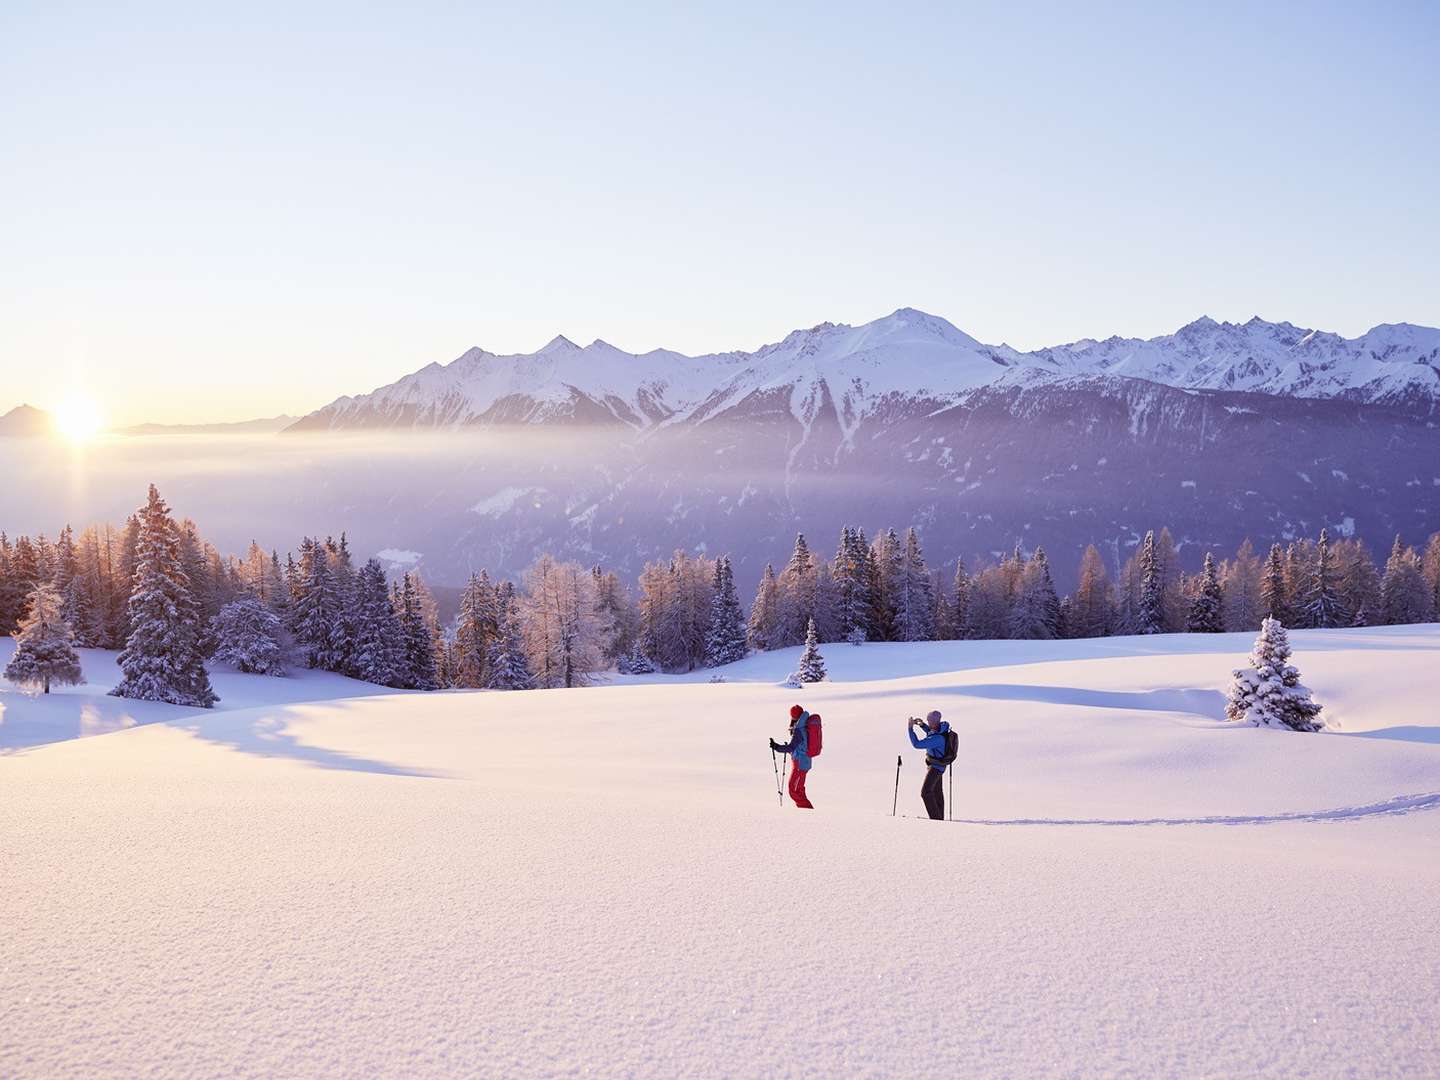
[79,418]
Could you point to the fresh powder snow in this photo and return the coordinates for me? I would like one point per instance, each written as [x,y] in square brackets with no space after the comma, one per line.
[317,878]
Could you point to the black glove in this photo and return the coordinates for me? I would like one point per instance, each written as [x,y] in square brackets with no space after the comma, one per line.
[775,746]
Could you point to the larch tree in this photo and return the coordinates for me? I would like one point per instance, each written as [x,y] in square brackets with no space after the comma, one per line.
[761,631]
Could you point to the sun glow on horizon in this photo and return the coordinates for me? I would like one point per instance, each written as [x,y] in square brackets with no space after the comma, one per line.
[78,418]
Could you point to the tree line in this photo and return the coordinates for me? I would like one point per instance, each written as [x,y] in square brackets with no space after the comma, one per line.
[157,590]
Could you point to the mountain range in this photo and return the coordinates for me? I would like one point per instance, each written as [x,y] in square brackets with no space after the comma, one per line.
[861,369]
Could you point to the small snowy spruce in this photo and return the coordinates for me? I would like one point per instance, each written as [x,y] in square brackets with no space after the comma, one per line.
[247,634]
[1268,693]
[812,664]
[43,650]
[856,636]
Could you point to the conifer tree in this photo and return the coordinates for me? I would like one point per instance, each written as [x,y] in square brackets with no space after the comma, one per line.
[474,633]
[812,664]
[417,647]
[162,660]
[44,654]
[725,642]
[316,608]
[1322,598]
[914,605]
[1268,692]
[1404,597]
[1150,616]
[1207,610]
[1274,601]
[508,667]
[961,603]
[761,630]
[852,583]
[378,648]
[248,635]
[885,571]
[796,595]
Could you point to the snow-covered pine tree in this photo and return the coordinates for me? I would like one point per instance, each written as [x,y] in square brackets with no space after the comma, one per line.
[1359,582]
[248,635]
[914,604]
[852,583]
[795,604]
[1274,601]
[961,603]
[162,660]
[316,609]
[726,640]
[812,664]
[342,583]
[760,630]
[474,632]
[1404,597]
[1322,597]
[22,574]
[44,653]
[885,571]
[1150,617]
[378,649]
[417,646]
[1207,610]
[508,669]
[1268,693]
[1035,610]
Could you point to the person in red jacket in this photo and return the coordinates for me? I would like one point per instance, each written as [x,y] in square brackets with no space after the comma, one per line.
[799,750]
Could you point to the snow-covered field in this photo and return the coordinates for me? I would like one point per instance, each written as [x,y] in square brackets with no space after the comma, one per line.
[315,880]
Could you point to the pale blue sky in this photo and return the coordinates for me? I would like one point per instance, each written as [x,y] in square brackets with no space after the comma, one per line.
[217,214]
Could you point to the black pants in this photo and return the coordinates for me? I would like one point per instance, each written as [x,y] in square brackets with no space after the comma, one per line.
[932,791]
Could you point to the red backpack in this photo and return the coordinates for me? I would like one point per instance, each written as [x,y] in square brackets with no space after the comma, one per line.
[813,736]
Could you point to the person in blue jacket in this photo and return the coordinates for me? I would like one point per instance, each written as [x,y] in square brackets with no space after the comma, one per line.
[937,741]
[800,759]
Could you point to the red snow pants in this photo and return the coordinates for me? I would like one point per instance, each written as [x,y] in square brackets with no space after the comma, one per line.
[797,787]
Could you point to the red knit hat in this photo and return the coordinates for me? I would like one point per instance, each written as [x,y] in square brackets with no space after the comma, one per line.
[795,711]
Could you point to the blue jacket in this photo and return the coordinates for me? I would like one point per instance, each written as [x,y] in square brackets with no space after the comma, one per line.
[799,742]
[932,744]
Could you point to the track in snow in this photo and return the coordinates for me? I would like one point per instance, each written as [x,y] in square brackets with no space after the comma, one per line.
[1400,804]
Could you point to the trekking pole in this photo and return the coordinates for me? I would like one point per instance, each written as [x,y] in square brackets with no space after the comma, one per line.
[896,801]
[775,765]
[950,810]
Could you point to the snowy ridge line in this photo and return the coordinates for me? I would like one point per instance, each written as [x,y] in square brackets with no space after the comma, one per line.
[1399,804]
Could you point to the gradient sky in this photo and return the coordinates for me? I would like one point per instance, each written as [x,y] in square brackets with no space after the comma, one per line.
[214,214]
